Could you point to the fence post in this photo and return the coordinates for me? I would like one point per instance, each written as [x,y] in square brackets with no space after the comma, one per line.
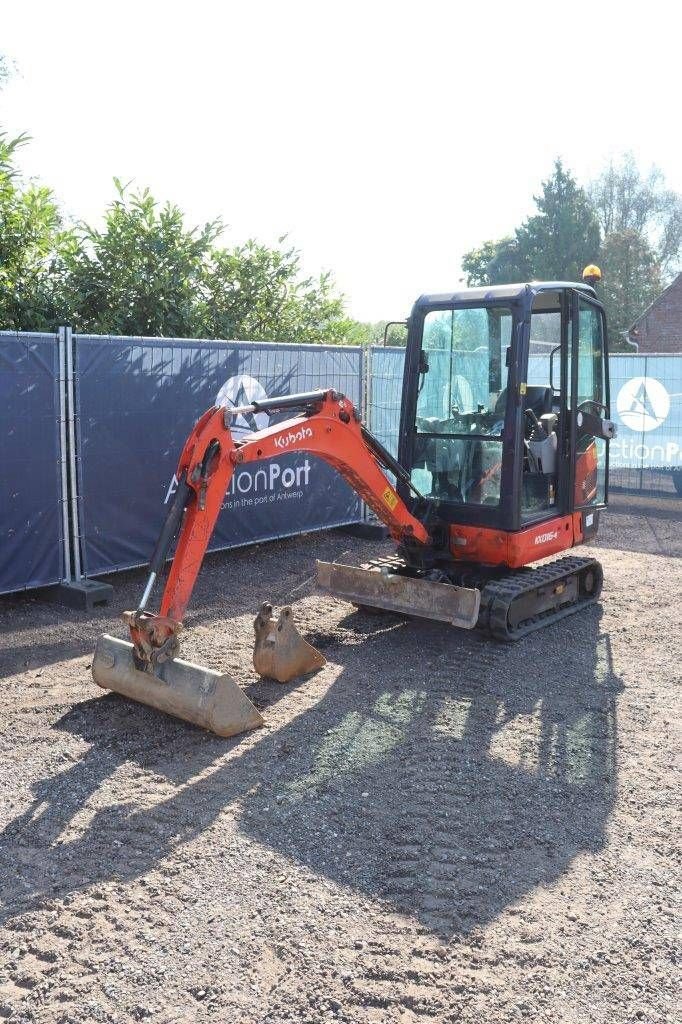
[66,532]
[367,402]
[73,478]
[641,464]
[75,591]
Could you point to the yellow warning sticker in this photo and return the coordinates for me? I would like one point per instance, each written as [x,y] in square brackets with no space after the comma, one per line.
[390,498]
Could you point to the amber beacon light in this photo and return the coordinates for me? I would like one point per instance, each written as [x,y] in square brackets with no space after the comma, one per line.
[592,274]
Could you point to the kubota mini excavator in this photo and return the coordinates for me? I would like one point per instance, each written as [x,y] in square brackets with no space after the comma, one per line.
[502,461]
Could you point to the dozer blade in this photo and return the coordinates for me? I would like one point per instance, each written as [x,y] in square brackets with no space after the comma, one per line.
[280,652]
[393,592]
[200,695]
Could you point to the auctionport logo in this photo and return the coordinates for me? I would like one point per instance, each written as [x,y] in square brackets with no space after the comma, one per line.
[643,404]
[252,486]
[239,391]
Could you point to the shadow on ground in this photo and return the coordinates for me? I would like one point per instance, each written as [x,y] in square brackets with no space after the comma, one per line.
[442,773]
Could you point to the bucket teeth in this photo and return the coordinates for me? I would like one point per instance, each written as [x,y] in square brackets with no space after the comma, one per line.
[280,652]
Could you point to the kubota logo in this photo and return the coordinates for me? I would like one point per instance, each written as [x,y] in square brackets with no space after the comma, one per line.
[643,403]
[240,391]
[286,440]
[544,538]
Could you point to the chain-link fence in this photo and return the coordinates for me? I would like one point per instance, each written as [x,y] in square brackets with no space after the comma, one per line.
[110,415]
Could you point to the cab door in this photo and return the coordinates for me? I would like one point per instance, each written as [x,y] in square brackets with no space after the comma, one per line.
[590,424]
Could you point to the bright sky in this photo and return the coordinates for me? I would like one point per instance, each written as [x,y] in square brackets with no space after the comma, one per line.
[386,138]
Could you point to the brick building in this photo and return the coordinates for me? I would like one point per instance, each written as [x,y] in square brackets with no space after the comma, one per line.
[659,327]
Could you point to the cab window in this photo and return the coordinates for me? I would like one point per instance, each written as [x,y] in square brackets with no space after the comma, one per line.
[461,404]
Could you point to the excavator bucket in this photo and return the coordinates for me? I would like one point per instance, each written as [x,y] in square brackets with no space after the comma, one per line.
[395,592]
[280,651]
[210,699]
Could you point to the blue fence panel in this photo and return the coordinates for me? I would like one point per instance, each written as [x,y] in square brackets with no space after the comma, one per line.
[138,398]
[31,548]
[646,403]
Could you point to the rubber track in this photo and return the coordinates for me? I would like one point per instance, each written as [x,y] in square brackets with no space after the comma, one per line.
[498,596]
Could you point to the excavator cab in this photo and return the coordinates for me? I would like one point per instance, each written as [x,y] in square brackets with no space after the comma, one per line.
[505,414]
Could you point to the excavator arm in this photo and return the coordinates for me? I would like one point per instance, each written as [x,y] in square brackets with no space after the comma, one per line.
[327,425]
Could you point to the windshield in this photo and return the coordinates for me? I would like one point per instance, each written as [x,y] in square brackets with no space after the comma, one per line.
[463,389]
[461,404]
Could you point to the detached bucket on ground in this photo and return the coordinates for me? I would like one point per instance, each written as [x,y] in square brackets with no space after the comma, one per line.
[280,652]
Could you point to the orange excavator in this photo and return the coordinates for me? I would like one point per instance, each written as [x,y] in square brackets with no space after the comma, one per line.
[502,461]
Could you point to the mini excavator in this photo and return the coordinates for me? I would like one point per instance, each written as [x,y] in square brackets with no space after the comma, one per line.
[502,461]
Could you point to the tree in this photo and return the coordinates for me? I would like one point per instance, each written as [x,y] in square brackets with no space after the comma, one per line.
[375,333]
[396,335]
[31,242]
[641,225]
[259,294]
[630,281]
[146,273]
[553,244]
[563,236]
[627,201]
[495,263]
[141,274]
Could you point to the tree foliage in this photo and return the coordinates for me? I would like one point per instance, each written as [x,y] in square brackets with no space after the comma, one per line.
[641,238]
[494,263]
[141,273]
[629,223]
[32,240]
[631,280]
[144,272]
[626,201]
[557,242]
[258,293]
[380,332]
[553,244]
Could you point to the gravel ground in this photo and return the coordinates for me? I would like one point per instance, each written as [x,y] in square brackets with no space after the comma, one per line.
[432,828]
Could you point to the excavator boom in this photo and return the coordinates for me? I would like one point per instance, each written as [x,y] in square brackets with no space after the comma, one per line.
[328,426]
